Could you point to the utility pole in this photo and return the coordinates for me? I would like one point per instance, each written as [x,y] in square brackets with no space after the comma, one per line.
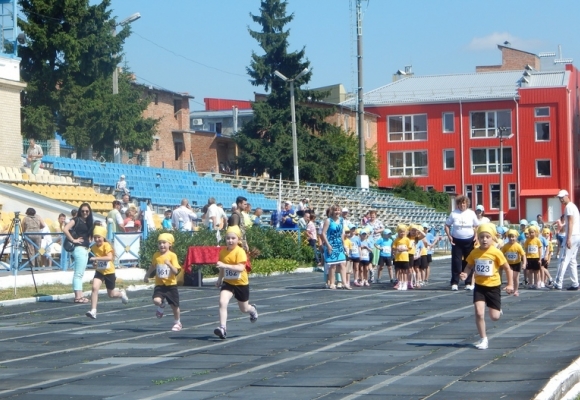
[362,180]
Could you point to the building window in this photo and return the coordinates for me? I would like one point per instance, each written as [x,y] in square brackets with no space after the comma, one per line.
[542,131]
[484,124]
[218,127]
[429,188]
[448,159]
[543,168]
[449,189]
[542,112]
[407,127]
[408,163]
[486,161]
[494,193]
[179,148]
[478,195]
[448,122]
[512,195]
[347,123]
[176,107]
[469,194]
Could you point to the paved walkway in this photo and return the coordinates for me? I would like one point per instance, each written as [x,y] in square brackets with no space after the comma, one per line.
[309,343]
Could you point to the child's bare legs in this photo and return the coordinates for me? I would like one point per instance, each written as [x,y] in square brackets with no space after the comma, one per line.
[245,307]
[225,297]
[494,315]
[95,293]
[536,278]
[516,280]
[546,274]
[176,312]
[379,272]
[341,269]
[355,271]
[390,268]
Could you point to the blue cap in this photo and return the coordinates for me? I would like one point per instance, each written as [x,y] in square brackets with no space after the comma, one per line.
[387,231]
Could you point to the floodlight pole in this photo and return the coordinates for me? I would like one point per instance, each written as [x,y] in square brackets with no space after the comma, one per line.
[126,21]
[293,113]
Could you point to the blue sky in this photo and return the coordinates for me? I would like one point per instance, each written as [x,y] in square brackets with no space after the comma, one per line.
[203,47]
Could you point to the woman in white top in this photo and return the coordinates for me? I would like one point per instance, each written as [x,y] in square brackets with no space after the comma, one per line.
[460,229]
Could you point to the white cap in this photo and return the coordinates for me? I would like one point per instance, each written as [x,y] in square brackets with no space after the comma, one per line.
[288,202]
[234,205]
[122,176]
[524,222]
[563,193]
[345,210]
[479,208]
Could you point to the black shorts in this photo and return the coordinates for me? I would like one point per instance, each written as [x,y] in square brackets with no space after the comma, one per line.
[401,265]
[417,262]
[544,263]
[383,260]
[424,262]
[364,263]
[355,259]
[533,264]
[429,259]
[490,294]
[168,293]
[516,267]
[109,279]
[241,292]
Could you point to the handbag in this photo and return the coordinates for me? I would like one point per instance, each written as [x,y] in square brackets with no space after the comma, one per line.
[67,244]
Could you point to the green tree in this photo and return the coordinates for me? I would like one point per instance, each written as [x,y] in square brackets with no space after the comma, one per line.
[266,141]
[68,62]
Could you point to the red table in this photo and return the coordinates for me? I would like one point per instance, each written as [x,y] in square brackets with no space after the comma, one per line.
[199,255]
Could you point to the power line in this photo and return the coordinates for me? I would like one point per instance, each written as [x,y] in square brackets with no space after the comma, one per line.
[163,88]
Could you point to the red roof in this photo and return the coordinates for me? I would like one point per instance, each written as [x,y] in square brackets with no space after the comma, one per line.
[226,104]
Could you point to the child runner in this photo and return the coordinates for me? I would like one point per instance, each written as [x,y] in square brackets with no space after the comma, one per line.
[516,257]
[432,241]
[385,244]
[533,248]
[233,280]
[401,247]
[104,270]
[366,252]
[415,235]
[166,267]
[486,261]
[355,255]
[347,245]
[545,263]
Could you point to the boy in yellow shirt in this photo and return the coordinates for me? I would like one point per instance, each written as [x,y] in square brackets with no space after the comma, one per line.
[486,261]
[533,249]
[516,257]
[233,280]
[104,270]
[166,267]
[400,250]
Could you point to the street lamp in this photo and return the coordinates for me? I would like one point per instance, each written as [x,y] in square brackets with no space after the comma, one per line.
[293,111]
[502,133]
[126,21]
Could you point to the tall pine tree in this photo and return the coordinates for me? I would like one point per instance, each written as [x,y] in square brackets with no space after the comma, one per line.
[68,62]
[266,141]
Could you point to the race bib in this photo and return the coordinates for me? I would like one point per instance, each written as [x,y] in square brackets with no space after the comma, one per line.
[102,265]
[483,267]
[231,274]
[386,249]
[364,253]
[511,256]
[163,271]
[532,249]
[354,251]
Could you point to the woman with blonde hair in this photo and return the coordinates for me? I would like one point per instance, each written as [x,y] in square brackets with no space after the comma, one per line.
[334,249]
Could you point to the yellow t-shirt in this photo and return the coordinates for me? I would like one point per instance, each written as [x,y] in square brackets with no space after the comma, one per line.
[533,247]
[104,267]
[513,253]
[401,255]
[347,245]
[164,276]
[413,245]
[234,257]
[424,250]
[486,264]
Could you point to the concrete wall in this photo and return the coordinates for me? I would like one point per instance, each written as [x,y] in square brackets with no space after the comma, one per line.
[10,129]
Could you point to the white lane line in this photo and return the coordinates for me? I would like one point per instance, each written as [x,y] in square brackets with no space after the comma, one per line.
[454,353]
[229,341]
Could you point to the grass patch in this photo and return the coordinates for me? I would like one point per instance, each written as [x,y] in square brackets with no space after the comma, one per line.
[54,289]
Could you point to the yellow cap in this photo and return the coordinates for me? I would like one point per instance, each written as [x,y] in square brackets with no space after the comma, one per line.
[166,237]
[235,230]
[534,228]
[100,231]
[546,230]
[487,228]
[513,232]
[401,227]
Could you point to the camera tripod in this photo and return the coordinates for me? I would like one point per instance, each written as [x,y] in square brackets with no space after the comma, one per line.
[16,254]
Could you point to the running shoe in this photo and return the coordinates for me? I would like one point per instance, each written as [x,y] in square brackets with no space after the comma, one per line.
[254,314]
[347,287]
[91,314]
[366,283]
[468,287]
[410,285]
[339,285]
[176,327]
[397,286]
[220,332]
[124,298]
[454,288]
[482,344]
[333,287]
[572,288]
[404,286]
[356,283]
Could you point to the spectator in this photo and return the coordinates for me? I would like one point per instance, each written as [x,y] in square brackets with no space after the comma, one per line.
[256,219]
[275,219]
[125,204]
[212,214]
[73,213]
[130,223]
[301,207]
[184,215]
[311,233]
[236,219]
[345,221]
[222,217]
[166,223]
[541,222]
[114,218]
[122,185]
[34,156]
[479,211]
[571,245]
[288,217]
[248,221]
[32,223]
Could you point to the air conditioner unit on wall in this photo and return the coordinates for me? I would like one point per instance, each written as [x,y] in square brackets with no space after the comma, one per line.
[197,121]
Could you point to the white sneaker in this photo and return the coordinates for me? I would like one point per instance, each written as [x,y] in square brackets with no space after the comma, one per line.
[482,344]
[468,287]
[124,298]
[91,314]
[454,287]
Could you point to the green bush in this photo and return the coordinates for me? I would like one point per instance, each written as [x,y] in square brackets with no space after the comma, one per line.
[267,267]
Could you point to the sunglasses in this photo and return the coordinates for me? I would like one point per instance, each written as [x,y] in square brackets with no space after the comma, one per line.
[85,211]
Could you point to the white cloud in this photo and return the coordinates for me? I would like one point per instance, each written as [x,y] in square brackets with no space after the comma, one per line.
[492,40]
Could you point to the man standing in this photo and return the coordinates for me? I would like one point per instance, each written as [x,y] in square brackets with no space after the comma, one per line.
[222,217]
[125,205]
[114,218]
[212,214]
[541,223]
[572,218]
[184,215]
[34,156]
[238,220]
[288,218]
[256,219]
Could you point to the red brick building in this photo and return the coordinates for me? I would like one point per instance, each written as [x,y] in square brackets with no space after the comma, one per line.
[443,132]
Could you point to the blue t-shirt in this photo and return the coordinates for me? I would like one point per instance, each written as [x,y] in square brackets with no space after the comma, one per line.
[430,239]
[166,224]
[544,246]
[419,246]
[289,221]
[385,245]
[365,253]
[355,247]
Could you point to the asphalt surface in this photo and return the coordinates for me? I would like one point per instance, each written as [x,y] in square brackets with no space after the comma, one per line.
[309,343]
